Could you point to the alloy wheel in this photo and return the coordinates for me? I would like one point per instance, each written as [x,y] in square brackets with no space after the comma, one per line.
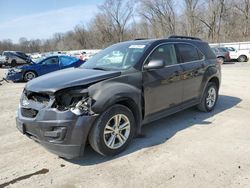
[29,76]
[211,98]
[116,131]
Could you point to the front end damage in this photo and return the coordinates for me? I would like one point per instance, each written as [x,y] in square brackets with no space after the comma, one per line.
[59,121]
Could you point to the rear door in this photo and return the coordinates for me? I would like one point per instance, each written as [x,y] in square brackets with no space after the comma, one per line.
[193,64]
[162,87]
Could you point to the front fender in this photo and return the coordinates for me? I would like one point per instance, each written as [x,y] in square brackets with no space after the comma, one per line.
[111,93]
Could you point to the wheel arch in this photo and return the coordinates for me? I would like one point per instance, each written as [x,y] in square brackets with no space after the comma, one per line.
[30,71]
[215,80]
[131,104]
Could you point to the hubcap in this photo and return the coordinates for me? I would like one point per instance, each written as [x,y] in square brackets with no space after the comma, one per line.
[211,98]
[116,131]
[30,76]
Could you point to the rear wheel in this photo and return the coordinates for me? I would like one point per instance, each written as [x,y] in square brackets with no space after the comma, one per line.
[13,63]
[221,59]
[29,75]
[209,98]
[242,58]
[113,131]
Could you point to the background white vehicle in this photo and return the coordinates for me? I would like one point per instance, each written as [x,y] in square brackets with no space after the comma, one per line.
[240,55]
[2,60]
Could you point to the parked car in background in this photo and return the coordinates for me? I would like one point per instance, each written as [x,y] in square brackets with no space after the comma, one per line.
[105,103]
[79,55]
[221,53]
[41,67]
[2,60]
[240,55]
[35,56]
[14,58]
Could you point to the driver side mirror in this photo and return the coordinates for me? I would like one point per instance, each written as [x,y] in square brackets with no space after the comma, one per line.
[154,64]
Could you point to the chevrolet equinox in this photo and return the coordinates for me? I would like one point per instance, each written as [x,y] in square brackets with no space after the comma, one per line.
[105,101]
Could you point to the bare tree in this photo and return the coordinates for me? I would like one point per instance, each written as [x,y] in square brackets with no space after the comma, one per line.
[191,12]
[244,7]
[160,14]
[119,13]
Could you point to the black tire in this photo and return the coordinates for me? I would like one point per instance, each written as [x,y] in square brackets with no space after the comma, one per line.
[27,76]
[242,58]
[13,63]
[96,135]
[204,106]
[1,65]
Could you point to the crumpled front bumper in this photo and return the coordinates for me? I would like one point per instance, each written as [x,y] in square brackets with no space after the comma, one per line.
[62,133]
[14,76]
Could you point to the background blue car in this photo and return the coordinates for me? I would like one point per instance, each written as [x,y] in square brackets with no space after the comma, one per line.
[42,66]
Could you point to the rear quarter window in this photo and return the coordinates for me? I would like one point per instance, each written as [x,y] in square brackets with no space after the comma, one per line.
[188,53]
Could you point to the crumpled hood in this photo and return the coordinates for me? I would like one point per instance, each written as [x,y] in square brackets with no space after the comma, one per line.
[70,77]
[25,66]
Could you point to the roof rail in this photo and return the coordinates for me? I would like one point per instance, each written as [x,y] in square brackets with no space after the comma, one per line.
[183,37]
[141,39]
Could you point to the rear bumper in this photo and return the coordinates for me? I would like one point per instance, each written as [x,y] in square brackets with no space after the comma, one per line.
[62,133]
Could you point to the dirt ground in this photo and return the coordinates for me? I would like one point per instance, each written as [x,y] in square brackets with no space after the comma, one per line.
[188,149]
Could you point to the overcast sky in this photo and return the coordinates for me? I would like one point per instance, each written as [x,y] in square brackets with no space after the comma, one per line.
[42,18]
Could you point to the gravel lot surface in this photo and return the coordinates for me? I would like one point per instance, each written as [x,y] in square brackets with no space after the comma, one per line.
[188,149]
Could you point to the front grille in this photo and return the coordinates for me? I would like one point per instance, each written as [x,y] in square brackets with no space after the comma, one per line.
[28,112]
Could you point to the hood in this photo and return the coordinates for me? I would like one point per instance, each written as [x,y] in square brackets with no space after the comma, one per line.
[25,66]
[66,78]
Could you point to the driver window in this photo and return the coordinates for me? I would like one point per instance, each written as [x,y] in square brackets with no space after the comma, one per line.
[166,53]
[51,61]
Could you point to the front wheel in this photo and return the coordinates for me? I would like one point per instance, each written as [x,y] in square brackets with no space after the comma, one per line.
[113,131]
[29,75]
[242,58]
[209,98]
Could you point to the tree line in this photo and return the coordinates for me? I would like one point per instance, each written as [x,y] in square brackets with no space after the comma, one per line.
[120,20]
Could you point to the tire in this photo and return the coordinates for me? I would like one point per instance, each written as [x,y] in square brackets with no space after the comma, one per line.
[221,59]
[208,102]
[242,58]
[13,63]
[109,143]
[1,65]
[29,75]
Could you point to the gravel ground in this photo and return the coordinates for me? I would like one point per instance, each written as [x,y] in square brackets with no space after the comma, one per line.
[188,149]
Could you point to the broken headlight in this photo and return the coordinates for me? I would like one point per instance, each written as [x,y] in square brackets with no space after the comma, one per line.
[77,101]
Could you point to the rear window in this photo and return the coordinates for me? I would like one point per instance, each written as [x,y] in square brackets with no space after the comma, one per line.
[189,53]
[222,49]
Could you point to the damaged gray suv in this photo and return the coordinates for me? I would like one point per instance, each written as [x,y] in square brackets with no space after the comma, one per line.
[107,100]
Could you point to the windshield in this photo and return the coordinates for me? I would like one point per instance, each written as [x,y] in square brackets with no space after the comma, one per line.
[40,59]
[120,56]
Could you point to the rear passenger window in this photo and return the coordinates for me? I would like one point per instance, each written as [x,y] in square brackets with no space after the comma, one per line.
[164,52]
[188,53]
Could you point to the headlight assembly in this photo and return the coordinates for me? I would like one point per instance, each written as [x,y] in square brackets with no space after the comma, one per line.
[82,107]
[77,101]
[17,70]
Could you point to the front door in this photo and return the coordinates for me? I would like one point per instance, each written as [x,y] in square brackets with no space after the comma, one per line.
[162,87]
[49,65]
